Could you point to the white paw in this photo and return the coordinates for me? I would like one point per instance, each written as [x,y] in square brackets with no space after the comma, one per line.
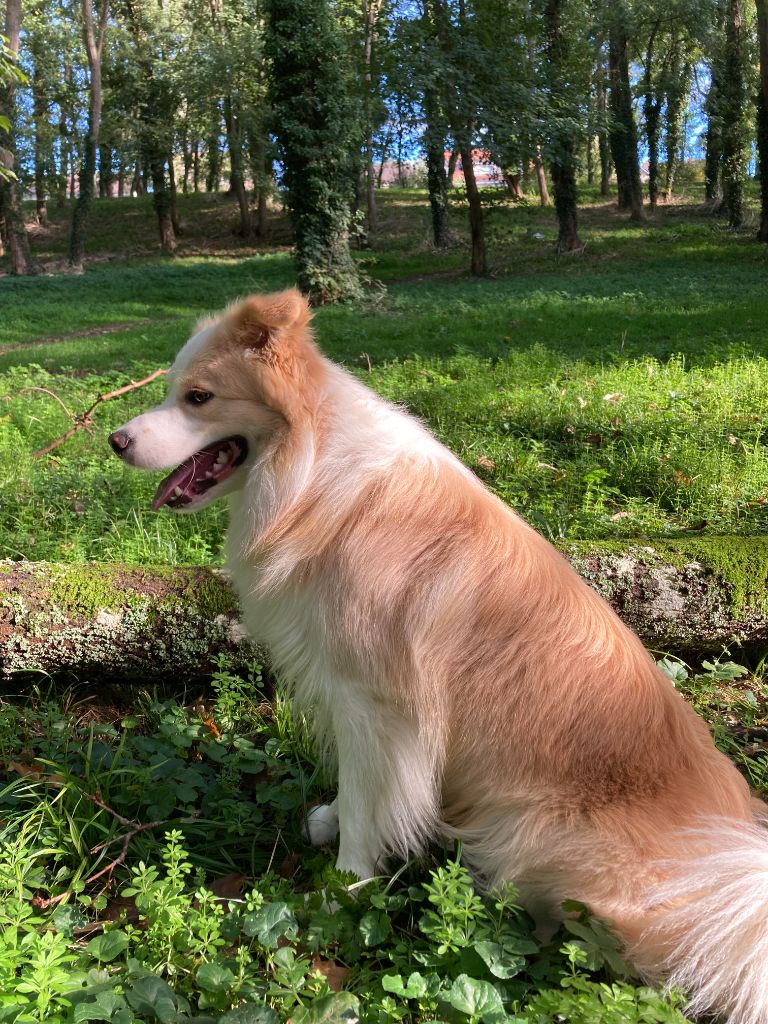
[357,865]
[323,824]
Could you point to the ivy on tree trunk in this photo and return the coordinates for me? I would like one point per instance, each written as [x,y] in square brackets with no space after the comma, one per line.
[762,117]
[317,122]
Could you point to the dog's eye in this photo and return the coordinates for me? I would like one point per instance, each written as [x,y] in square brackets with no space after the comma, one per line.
[196,397]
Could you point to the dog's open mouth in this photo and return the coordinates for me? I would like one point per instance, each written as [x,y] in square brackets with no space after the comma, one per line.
[200,472]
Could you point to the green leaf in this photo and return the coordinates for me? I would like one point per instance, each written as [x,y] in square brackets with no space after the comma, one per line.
[334,1008]
[500,961]
[153,996]
[66,919]
[414,988]
[252,1013]
[270,923]
[375,926]
[215,977]
[476,999]
[107,946]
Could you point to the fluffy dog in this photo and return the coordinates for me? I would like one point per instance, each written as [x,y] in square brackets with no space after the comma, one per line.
[469,682]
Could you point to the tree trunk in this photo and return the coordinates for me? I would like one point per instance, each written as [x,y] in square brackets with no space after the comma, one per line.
[677,103]
[212,178]
[437,186]
[562,145]
[735,101]
[479,263]
[512,179]
[652,103]
[196,167]
[370,12]
[94,42]
[161,200]
[602,125]
[623,133]
[236,173]
[172,196]
[106,172]
[11,211]
[541,177]
[42,142]
[762,115]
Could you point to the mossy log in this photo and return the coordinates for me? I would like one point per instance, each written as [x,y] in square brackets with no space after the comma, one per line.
[685,596]
[117,622]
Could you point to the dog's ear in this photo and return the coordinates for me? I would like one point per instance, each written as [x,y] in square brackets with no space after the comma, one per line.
[259,320]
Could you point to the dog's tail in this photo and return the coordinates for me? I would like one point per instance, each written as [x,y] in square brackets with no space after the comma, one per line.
[709,926]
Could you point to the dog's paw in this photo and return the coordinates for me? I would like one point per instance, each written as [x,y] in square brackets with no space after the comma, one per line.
[323,824]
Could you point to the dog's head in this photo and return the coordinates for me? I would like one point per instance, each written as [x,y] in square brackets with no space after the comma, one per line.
[233,387]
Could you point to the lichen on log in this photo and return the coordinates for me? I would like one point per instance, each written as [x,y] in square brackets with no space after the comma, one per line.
[683,595]
[117,621]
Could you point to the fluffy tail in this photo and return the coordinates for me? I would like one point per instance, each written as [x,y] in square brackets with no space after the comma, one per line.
[709,935]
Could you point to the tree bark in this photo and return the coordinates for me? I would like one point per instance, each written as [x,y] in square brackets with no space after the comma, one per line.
[541,177]
[236,172]
[161,200]
[562,144]
[42,141]
[479,263]
[735,101]
[652,102]
[94,43]
[762,117]
[677,103]
[623,133]
[14,232]
[370,12]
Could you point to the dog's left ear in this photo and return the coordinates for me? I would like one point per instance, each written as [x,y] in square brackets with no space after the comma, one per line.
[260,320]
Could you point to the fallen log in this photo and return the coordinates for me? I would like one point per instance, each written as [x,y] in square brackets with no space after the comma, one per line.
[689,596]
[120,622]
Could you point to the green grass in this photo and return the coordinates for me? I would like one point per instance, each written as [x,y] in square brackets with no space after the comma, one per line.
[512,372]
[219,910]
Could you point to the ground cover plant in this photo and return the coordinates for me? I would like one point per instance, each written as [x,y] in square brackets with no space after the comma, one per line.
[616,394]
[153,868]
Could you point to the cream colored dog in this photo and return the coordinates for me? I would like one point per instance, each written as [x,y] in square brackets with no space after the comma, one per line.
[470,683]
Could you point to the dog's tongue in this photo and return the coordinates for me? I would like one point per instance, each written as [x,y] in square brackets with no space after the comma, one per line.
[197,474]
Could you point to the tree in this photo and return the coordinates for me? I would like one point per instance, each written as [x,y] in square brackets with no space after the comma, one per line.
[623,131]
[563,119]
[762,113]
[318,124]
[12,229]
[94,44]
[735,129]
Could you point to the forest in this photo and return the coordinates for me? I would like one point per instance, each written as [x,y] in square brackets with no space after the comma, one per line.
[305,104]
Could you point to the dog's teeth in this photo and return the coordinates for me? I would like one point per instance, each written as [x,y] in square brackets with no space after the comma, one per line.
[208,475]
[177,491]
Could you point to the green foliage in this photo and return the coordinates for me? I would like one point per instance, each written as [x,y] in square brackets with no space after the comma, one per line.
[168,941]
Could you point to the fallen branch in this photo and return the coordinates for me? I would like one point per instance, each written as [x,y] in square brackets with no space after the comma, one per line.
[135,829]
[84,420]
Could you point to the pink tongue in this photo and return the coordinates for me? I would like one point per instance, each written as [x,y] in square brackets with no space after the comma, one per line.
[186,475]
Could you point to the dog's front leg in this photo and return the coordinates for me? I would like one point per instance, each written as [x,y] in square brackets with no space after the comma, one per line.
[387,799]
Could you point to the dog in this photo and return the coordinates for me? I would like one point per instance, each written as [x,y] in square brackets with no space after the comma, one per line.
[468,681]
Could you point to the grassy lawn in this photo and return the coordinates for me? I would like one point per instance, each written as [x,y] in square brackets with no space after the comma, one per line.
[620,393]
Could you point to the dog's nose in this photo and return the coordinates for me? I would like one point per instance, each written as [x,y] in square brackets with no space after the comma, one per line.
[120,441]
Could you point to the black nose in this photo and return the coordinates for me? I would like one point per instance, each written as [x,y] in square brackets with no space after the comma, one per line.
[120,441]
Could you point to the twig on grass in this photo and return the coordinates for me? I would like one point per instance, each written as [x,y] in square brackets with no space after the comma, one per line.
[135,829]
[83,420]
